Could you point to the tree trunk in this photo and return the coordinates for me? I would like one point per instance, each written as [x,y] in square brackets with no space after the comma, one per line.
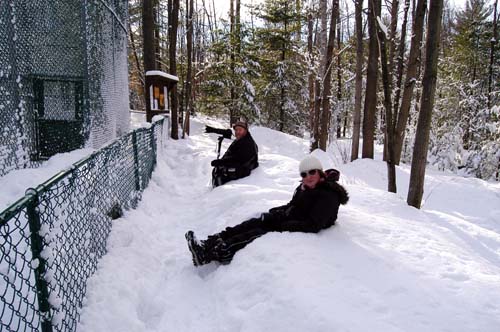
[157,37]
[401,59]
[492,53]
[311,72]
[326,112]
[389,130]
[370,107]
[359,80]
[419,161]
[339,77]
[237,27]
[282,96]
[173,22]
[321,39]
[148,32]
[317,111]
[232,90]
[322,35]
[390,45]
[189,75]
[148,43]
[411,78]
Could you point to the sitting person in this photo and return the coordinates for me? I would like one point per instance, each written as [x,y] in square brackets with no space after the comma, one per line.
[240,158]
[314,206]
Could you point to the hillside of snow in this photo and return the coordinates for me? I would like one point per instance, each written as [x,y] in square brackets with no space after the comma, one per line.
[385,266]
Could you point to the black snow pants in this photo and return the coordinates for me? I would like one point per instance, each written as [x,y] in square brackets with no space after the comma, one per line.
[237,237]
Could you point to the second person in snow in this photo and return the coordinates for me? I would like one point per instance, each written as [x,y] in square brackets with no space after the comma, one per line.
[314,206]
[240,158]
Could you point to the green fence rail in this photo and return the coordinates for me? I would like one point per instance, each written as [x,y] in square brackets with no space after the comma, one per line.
[52,238]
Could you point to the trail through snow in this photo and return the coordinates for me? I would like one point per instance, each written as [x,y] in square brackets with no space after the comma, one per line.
[384,267]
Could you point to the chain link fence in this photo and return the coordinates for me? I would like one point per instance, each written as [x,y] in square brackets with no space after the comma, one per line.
[52,238]
[63,77]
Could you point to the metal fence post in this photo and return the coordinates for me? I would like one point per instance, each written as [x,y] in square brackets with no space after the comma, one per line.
[36,249]
[136,161]
[153,147]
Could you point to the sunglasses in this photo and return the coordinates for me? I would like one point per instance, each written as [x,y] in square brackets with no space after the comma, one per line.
[311,172]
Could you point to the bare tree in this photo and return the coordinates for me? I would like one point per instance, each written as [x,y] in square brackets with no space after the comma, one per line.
[391,43]
[232,64]
[387,85]
[157,38]
[401,59]
[492,53]
[419,160]
[148,26]
[311,64]
[370,107]
[209,21]
[339,75]
[359,79]
[327,79]
[321,40]
[189,75]
[173,22]
[411,77]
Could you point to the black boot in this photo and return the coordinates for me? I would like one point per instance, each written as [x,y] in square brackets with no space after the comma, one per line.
[212,242]
[197,249]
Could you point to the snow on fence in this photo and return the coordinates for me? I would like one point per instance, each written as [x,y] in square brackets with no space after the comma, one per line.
[63,74]
[52,238]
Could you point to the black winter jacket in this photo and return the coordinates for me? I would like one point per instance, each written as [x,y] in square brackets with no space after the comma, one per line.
[242,154]
[310,210]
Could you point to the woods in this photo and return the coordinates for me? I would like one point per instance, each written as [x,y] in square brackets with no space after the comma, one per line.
[340,69]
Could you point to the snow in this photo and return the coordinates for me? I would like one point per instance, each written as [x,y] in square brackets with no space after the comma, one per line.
[15,183]
[385,266]
[382,26]
[162,74]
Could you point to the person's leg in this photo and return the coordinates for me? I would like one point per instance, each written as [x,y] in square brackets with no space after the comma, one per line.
[237,237]
[222,246]
[216,177]
[245,226]
[219,176]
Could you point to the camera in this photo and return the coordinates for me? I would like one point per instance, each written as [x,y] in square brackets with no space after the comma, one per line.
[225,133]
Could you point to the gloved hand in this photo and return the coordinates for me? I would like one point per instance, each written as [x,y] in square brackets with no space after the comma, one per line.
[216,162]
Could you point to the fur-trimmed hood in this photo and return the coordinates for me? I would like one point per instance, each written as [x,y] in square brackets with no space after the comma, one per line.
[339,189]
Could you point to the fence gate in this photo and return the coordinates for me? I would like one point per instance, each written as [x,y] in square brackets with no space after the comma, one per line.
[59,115]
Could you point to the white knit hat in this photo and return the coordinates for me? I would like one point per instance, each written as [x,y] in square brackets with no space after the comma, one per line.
[310,163]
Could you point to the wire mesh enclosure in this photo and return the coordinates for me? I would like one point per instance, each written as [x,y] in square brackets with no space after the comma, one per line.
[63,77]
[51,239]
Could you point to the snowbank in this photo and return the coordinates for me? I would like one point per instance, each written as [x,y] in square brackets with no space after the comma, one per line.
[384,267]
[15,183]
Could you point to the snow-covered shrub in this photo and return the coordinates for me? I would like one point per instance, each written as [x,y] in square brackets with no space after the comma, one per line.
[485,163]
[445,150]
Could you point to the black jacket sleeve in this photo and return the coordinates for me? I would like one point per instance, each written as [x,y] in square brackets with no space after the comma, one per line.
[322,215]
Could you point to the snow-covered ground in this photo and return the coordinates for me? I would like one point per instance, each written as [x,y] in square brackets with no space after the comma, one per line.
[385,266]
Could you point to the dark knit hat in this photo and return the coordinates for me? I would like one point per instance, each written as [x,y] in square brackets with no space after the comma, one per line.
[241,124]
